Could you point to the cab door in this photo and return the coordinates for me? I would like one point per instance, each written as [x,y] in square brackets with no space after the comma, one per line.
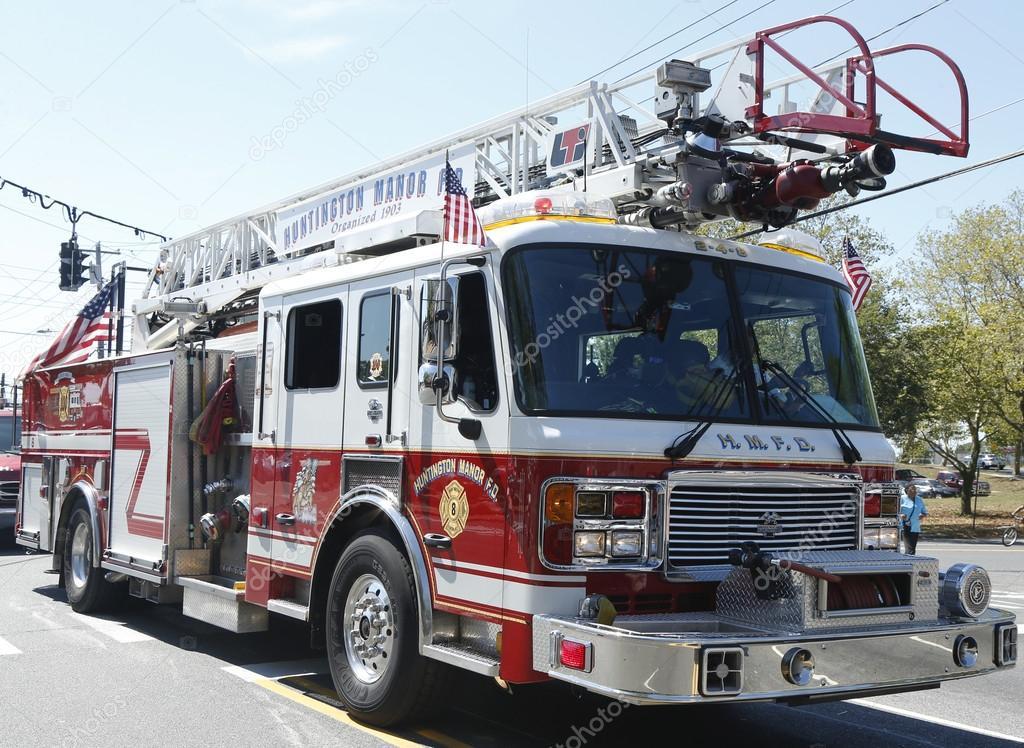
[309,425]
[459,484]
[379,387]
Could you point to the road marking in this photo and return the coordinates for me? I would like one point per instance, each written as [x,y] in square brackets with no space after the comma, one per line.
[936,720]
[286,678]
[116,630]
[6,648]
[275,670]
[329,711]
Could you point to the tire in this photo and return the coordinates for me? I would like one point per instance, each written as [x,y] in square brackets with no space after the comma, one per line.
[375,663]
[1010,536]
[87,589]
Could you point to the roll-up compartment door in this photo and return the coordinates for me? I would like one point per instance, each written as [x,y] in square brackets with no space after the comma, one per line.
[139,479]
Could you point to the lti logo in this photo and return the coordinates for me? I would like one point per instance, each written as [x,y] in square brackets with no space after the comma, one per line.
[755,443]
[569,146]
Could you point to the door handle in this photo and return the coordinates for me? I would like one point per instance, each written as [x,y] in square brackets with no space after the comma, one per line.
[436,540]
[285,519]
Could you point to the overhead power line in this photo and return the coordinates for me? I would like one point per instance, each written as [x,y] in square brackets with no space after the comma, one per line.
[904,22]
[663,39]
[904,188]
[702,38]
[71,213]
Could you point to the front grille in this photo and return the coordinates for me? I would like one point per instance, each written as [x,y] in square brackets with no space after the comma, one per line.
[9,492]
[706,521]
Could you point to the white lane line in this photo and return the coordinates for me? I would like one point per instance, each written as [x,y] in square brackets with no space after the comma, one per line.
[936,720]
[6,648]
[275,670]
[116,630]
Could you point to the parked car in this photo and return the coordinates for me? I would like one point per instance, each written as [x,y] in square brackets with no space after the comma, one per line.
[990,461]
[925,489]
[952,479]
[10,469]
[904,475]
[941,490]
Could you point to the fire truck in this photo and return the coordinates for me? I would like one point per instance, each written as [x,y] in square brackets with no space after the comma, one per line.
[600,448]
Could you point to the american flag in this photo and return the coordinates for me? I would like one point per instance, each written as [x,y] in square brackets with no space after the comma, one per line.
[857,276]
[460,222]
[79,337]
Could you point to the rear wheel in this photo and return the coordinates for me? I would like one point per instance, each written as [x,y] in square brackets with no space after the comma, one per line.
[1010,536]
[87,590]
[372,637]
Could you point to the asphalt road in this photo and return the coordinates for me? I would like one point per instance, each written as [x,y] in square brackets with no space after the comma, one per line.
[151,676]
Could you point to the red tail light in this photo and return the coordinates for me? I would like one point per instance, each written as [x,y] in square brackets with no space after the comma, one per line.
[575,655]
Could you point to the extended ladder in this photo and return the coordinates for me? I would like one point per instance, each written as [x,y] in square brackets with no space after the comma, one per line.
[622,140]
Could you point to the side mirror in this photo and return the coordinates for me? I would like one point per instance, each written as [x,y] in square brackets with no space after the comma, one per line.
[428,385]
[435,308]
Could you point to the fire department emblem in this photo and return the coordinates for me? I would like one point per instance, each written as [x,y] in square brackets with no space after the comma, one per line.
[768,524]
[454,509]
[304,491]
[376,366]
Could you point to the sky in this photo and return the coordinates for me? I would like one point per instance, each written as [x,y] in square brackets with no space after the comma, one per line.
[158,112]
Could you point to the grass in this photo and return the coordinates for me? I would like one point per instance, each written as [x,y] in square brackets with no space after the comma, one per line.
[945,521]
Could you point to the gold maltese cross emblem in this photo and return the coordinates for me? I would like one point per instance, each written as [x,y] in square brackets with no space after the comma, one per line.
[454,509]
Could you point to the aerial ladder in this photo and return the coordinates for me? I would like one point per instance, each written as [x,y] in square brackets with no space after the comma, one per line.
[669,149]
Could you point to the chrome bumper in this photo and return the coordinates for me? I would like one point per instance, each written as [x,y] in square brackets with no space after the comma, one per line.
[665,659]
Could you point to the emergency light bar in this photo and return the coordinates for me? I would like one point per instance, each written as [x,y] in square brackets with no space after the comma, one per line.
[547,205]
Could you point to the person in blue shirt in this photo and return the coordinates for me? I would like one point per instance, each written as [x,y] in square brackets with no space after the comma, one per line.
[912,509]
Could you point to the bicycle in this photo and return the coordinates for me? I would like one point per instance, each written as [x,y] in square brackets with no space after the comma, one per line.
[1010,532]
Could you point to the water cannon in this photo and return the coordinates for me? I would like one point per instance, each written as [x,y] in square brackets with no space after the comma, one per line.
[774,193]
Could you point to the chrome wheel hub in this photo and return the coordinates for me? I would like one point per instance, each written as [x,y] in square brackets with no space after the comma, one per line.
[369,628]
[81,556]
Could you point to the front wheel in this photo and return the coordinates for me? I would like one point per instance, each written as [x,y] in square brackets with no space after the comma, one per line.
[87,590]
[1010,536]
[372,635]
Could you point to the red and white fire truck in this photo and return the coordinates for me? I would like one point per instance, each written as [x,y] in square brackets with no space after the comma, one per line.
[599,448]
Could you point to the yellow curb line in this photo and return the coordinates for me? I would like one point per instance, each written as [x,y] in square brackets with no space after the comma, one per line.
[332,712]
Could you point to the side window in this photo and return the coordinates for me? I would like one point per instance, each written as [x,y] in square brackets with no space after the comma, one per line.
[313,350]
[374,341]
[476,375]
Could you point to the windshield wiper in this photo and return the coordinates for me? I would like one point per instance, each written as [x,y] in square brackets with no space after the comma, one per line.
[683,444]
[846,445]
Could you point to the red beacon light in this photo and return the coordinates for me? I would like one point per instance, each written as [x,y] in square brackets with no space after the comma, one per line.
[542,205]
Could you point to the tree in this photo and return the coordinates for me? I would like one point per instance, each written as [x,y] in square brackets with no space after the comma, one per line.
[959,395]
[975,270]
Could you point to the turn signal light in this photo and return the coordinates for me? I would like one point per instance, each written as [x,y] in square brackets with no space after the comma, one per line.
[558,502]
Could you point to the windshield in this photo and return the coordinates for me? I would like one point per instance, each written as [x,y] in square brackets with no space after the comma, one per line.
[636,333]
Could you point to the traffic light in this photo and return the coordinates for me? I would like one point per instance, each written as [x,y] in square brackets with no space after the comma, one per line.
[72,271]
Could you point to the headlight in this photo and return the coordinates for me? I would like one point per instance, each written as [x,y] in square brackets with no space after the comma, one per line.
[965,590]
[589,544]
[627,543]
